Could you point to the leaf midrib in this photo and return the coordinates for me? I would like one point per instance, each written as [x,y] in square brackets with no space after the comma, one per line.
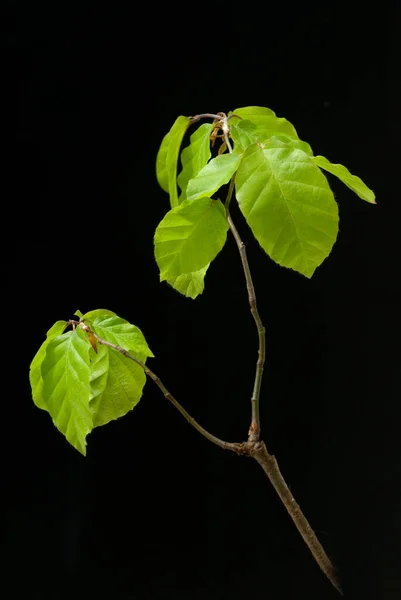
[66,395]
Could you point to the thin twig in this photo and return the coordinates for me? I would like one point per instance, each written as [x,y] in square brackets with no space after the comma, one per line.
[170,397]
[254,430]
[204,116]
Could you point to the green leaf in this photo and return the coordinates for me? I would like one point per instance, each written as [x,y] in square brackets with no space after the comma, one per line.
[190,237]
[118,331]
[265,120]
[189,284]
[97,314]
[35,372]
[66,390]
[56,329]
[116,382]
[295,143]
[194,157]
[161,163]
[78,314]
[216,173]
[167,158]
[288,204]
[244,133]
[352,181]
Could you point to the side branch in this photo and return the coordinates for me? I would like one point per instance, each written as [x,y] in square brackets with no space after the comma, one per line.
[254,431]
[204,116]
[215,440]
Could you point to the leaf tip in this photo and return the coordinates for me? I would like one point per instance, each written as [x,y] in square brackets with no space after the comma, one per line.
[79,445]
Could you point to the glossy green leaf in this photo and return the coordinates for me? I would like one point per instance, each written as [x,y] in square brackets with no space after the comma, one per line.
[117,384]
[35,371]
[264,119]
[78,314]
[189,284]
[352,181]
[167,158]
[66,388]
[194,157]
[189,237]
[288,204]
[118,331]
[216,173]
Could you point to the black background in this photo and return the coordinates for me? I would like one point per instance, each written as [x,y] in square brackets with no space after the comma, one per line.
[154,510]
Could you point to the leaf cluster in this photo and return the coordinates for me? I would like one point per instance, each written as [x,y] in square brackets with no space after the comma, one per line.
[83,384]
[280,188]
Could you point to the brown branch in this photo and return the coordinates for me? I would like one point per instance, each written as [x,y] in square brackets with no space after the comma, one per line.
[215,440]
[204,116]
[269,464]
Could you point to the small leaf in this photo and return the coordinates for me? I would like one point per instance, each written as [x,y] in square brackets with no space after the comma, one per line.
[190,237]
[167,158]
[190,284]
[78,314]
[118,331]
[117,383]
[264,119]
[288,204]
[194,157]
[66,390]
[216,173]
[92,341]
[244,133]
[35,372]
[352,181]
[222,148]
